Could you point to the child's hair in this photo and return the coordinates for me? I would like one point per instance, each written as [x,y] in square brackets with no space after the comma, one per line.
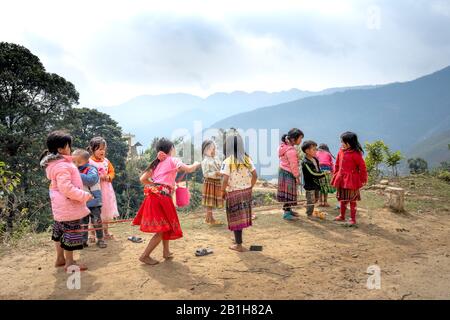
[292,135]
[55,140]
[164,145]
[308,144]
[234,147]
[324,147]
[206,145]
[95,144]
[81,153]
[352,139]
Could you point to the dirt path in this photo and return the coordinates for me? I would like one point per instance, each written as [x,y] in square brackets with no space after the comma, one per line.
[301,260]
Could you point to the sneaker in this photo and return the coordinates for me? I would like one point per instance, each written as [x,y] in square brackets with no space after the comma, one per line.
[288,216]
[295,214]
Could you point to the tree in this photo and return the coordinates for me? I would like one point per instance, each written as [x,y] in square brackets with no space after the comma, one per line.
[8,183]
[375,156]
[84,124]
[417,165]
[392,159]
[32,103]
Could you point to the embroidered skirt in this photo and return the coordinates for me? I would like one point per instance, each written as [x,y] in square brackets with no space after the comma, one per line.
[157,213]
[212,193]
[348,195]
[68,234]
[287,187]
[239,209]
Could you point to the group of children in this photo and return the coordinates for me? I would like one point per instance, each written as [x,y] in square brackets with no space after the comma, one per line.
[81,191]
[320,174]
[81,195]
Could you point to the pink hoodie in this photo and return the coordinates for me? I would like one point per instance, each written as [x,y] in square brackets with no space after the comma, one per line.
[66,188]
[325,159]
[288,159]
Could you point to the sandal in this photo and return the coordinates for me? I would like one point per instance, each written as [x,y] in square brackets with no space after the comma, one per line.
[216,223]
[101,244]
[135,239]
[203,252]
[91,239]
[295,214]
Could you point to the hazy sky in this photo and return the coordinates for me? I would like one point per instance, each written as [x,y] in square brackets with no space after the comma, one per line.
[115,50]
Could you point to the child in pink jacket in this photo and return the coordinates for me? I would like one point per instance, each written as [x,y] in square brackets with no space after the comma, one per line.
[68,200]
[289,173]
[327,166]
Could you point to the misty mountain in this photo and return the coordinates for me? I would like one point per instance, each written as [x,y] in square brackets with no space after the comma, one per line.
[404,115]
[148,116]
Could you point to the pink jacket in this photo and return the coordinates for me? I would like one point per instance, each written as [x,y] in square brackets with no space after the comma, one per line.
[67,197]
[325,159]
[288,159]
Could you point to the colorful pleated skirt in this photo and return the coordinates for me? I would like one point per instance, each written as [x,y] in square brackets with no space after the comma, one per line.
[239,209]
[287,187]
[348,194]
[212,193]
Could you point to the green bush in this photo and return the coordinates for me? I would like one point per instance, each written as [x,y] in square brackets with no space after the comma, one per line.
[444,175]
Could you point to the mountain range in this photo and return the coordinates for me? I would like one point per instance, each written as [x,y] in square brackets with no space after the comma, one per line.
[150,116]
[413,116]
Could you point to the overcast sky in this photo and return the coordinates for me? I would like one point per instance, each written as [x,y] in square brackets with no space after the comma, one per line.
[115,50]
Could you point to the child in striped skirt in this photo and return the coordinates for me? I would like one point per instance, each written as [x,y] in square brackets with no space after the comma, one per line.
[289,173]
[212,183]
[239,177]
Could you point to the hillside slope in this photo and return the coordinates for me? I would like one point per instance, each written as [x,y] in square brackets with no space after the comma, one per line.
[402,114]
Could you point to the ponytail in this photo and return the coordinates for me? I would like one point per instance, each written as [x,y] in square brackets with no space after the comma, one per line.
[163,148]
[292,135]
[152,166]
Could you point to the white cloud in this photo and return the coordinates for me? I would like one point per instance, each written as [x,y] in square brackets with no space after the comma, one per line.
[115,50]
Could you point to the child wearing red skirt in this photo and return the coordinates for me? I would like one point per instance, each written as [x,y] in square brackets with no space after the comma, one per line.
[157,213]
[350,174]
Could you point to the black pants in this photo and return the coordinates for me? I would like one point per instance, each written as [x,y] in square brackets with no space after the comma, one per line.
[96,221]
[238,236]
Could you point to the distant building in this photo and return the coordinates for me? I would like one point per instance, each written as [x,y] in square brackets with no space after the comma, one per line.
[134,150]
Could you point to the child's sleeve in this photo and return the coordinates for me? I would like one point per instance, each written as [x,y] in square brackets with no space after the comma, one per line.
[90,178]
[338,161]
[362,169]
[225,168]
[177,163]
[111,171]
[293,162]
[67,188]
[332,163]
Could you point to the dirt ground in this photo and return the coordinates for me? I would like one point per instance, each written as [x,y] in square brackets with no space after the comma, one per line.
[300,260]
